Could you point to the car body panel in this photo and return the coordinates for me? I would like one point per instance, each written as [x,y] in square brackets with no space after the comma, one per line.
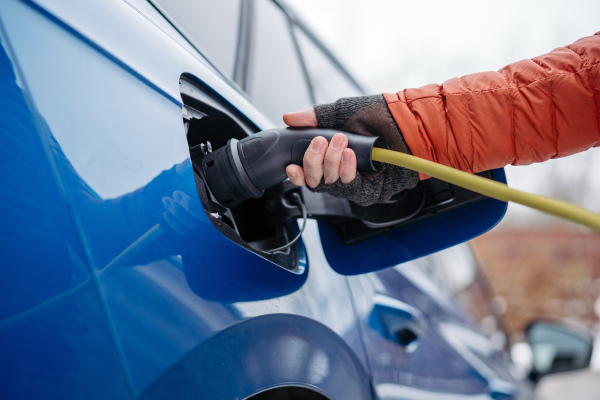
[265,351]
[424,367]
[137,307]
[449,356]
[115,125]
[52,346]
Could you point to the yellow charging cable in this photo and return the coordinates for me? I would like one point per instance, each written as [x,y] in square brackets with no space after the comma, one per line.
[490,188]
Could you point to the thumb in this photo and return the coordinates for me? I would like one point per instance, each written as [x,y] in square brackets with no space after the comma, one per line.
[301,118]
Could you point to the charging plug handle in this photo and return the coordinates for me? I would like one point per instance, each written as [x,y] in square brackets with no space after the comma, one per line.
[244,169]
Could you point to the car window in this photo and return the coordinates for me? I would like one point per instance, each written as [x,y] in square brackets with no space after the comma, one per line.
[211,26]
[276,80]
[327,81]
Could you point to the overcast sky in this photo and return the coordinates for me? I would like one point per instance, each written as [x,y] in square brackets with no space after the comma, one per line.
[394,44]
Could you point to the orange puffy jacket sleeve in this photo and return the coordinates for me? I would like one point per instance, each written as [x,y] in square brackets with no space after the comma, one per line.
[529,111]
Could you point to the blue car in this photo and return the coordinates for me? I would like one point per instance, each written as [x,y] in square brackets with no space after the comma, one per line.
[123,277]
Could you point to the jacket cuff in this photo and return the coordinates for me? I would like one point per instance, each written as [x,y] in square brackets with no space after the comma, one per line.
[405,119]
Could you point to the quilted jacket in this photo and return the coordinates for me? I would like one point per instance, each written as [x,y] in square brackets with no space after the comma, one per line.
[529,111]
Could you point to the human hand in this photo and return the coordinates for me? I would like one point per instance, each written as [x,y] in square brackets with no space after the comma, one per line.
[325,161]
[331,167]
[320,160]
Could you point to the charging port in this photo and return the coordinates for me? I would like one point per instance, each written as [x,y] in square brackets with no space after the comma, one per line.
[209,124]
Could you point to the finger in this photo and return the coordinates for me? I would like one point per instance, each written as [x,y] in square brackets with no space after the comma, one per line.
[296,174]
[177,211]
[301,118]
[348,166]
[313,161]
[192,205]
[174,223]
[333,158]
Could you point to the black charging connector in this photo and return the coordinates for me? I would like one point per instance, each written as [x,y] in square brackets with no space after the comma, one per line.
[243,169]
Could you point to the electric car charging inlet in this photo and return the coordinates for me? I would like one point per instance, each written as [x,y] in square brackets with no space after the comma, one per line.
[244,169]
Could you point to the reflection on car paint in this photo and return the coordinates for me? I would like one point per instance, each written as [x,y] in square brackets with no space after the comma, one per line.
[113,288]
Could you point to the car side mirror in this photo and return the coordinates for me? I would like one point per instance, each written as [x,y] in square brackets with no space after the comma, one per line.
[556,348]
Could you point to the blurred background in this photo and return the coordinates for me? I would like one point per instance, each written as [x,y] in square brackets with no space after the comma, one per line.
[539,266]
[393,44]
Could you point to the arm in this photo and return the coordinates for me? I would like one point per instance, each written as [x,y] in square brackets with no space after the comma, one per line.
[527,112]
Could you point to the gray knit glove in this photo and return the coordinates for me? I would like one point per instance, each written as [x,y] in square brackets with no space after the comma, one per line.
[369,116]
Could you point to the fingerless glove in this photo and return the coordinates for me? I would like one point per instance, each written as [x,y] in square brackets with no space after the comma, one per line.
[369,116]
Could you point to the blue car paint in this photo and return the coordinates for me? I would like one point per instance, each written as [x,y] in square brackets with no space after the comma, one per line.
[415,241]
[466,361]
[109,134]
[438,363]
[295,358]
[99,113]
[45,349]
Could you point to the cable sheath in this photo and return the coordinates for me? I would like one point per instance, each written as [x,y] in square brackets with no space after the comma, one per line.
[490,188]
